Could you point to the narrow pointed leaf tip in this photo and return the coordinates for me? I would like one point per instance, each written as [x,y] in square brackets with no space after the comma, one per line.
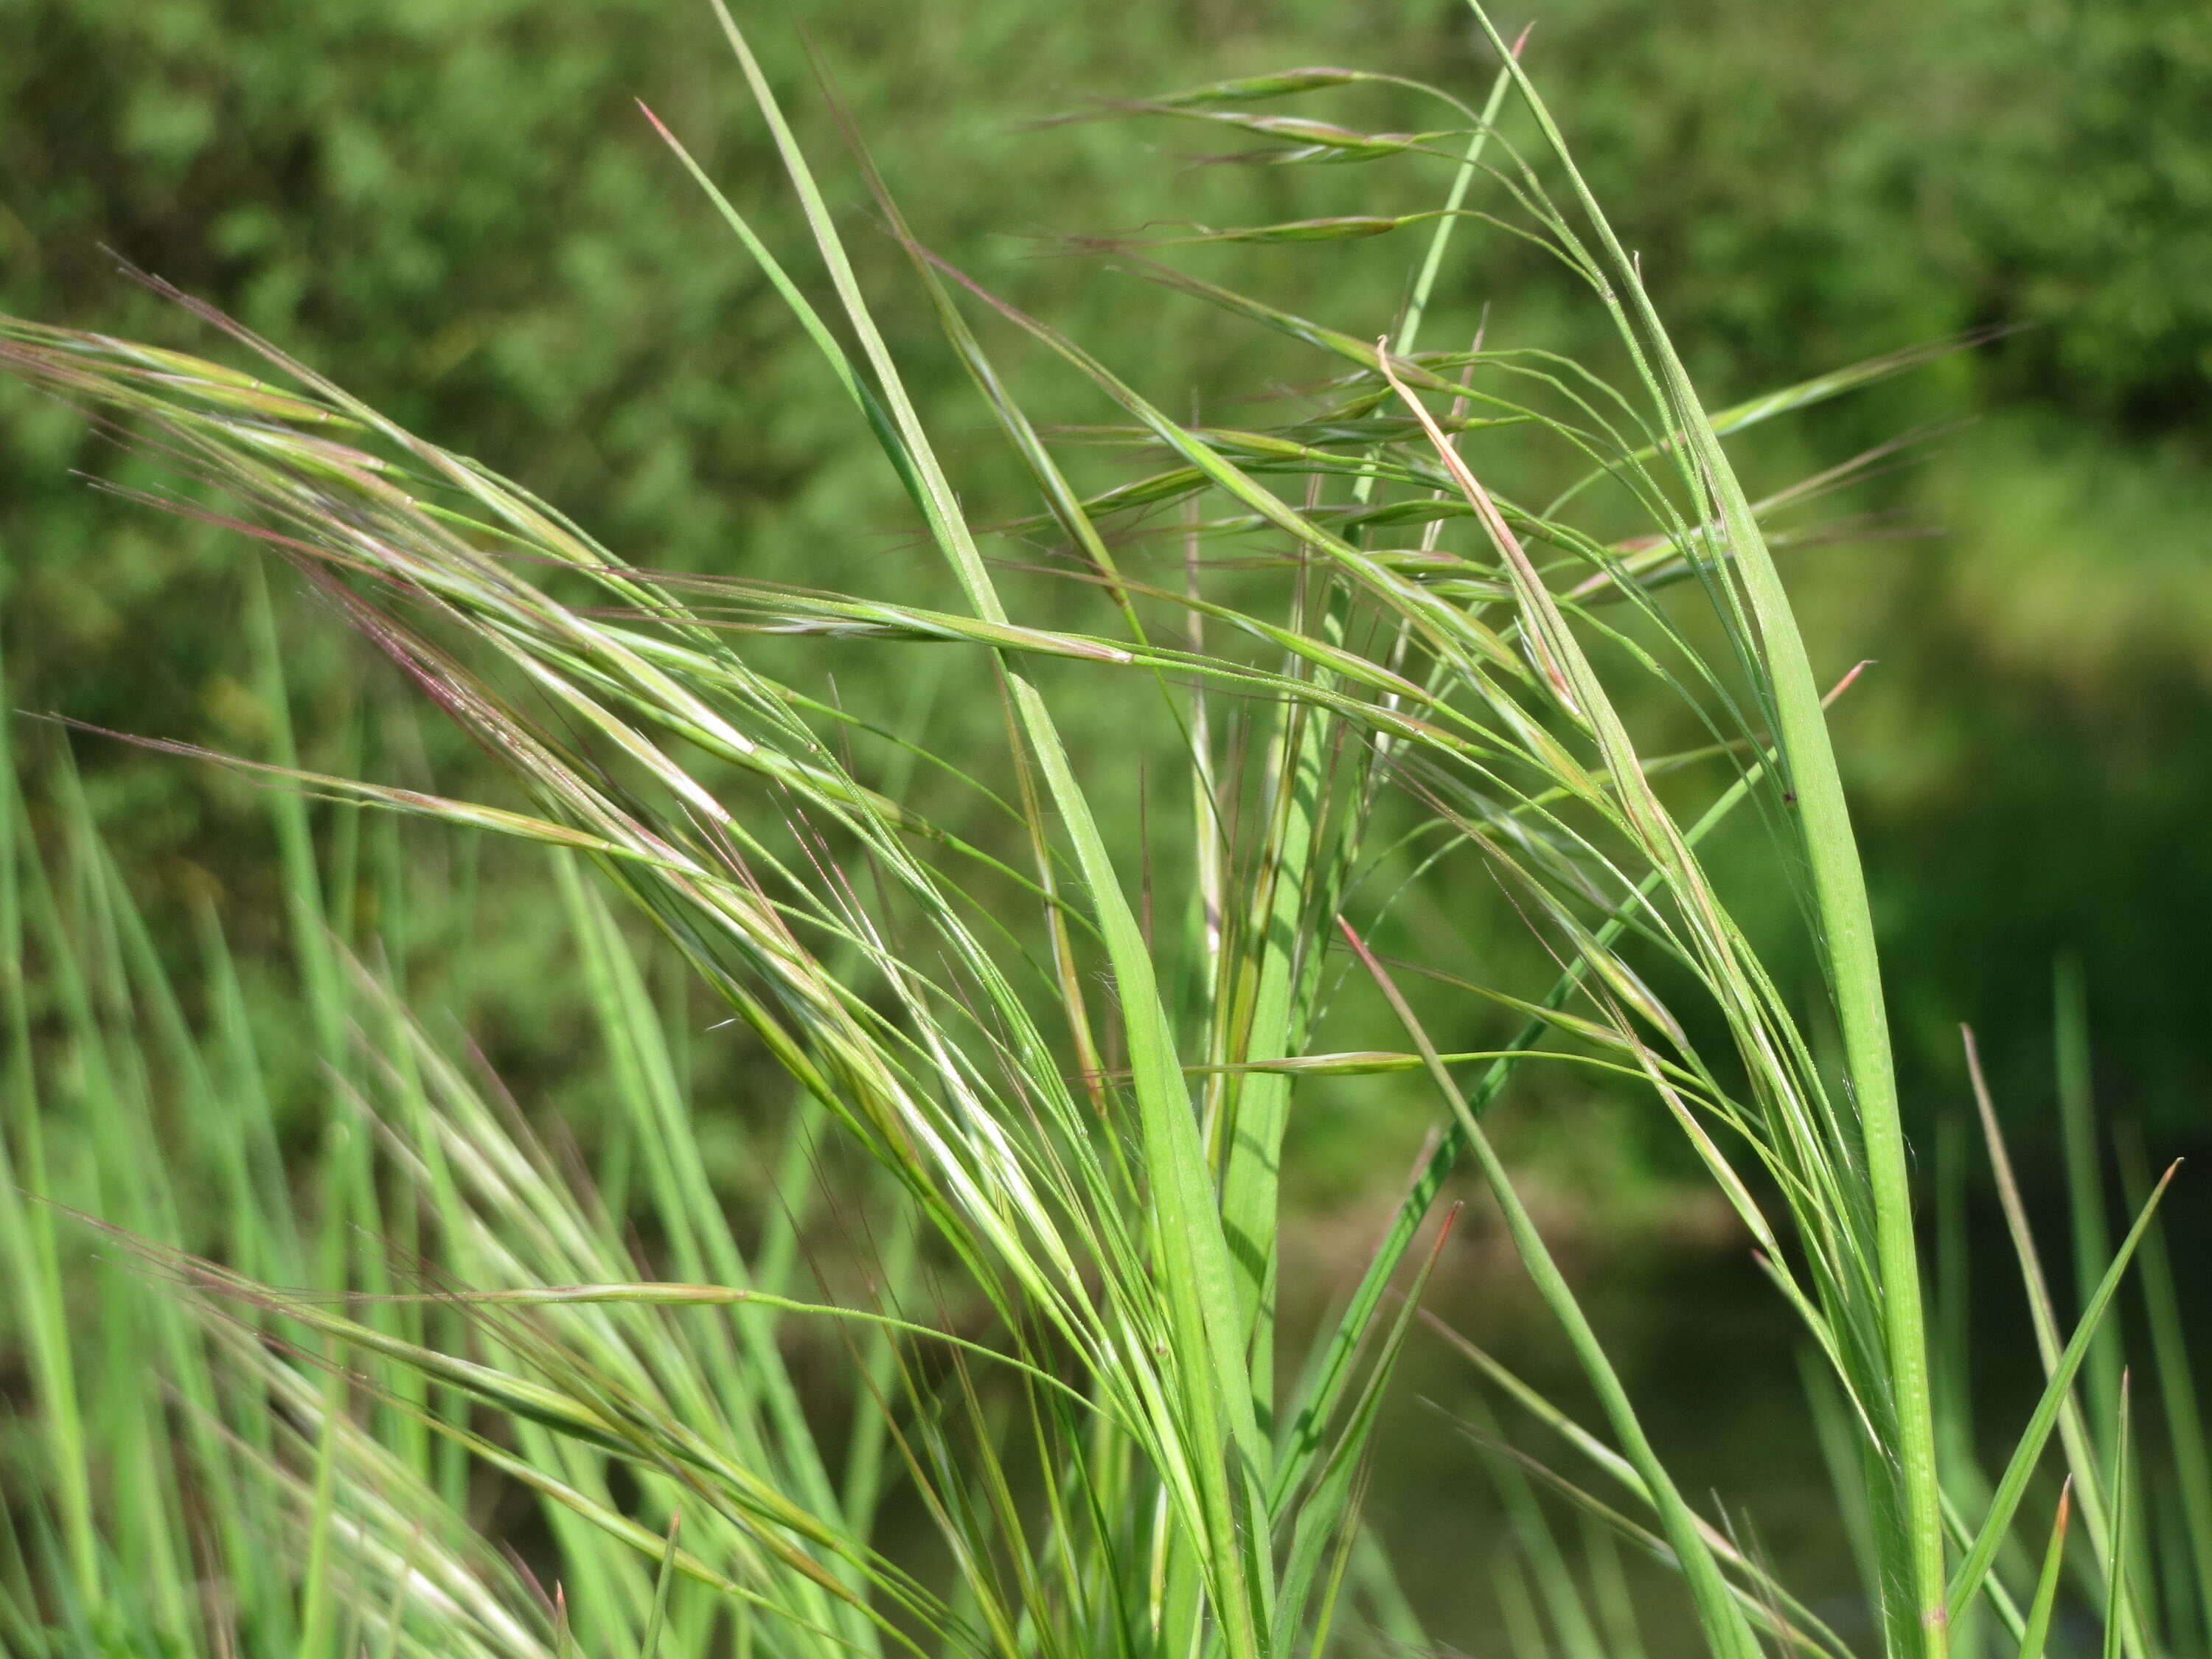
[1255,89]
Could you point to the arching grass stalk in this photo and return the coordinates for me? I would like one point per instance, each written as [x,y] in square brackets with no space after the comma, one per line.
[1845,920]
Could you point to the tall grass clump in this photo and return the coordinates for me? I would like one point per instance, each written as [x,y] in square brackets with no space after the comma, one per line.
[1460,617]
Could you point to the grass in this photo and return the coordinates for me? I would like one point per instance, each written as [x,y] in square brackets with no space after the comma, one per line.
[1412,640]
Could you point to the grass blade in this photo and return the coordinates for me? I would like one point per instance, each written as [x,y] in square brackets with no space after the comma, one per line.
[2046,1583]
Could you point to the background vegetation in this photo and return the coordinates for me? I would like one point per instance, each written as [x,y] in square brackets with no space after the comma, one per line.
[459,206]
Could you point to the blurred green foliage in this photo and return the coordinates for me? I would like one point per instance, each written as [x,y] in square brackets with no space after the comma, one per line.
[455,206]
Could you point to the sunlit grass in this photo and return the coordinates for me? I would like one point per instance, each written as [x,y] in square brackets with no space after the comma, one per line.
[1404,645]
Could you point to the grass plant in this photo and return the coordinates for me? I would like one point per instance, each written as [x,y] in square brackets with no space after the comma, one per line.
[1441,626]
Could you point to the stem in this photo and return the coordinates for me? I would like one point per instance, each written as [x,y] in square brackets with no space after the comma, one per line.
[1845,920]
